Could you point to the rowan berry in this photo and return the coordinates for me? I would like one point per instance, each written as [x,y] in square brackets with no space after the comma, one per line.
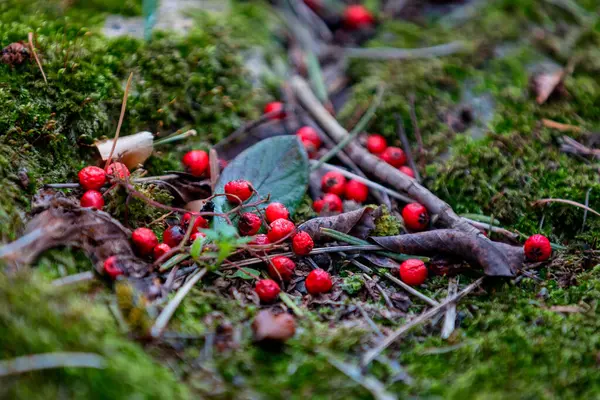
[196,162]
[416,217]
[357,16]
[318,281]
[275,211]
[282,268]
[260,240]
[92,198]
[144,240]
[274,107]
[302,243]
[112,268]
[279,229]
[407,171]
[394,156]
[309,137]
[118,170]
[376,144]
[267,290]
[249,224]
[238,190]
[160,249]
[199,222]
[194,236]
[329,203]
[333,182]
[173,235]
[537,248]
[356,191]
[413,272]
[92,178]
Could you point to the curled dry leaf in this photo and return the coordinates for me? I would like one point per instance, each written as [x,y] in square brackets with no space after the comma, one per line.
[496,259]
[131,150]
[358,223]
[58,221]
[268,327]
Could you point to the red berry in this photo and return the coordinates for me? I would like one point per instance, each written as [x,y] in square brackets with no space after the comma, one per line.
[118,170]
[357,191]
[173,235]
[329,203]
[92,178]
[314,5]
[199,222]
[333,182]
[357,16]
[407,171]
[144,240]
[413,272]
[275,211]
[260,240]
[267,290]
[92,198]
[160,249]
[249,224]
[537,248]
[197,235]
[111,267]
[376,144]
[416,217]
[196,162]
[283,267]
[273,107]
[279,229]
[394,156]
[237,190]
[309,137]
[318,281]
[302,243]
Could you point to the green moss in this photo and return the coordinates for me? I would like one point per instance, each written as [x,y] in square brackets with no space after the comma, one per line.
[352,284]
[387,225]
[36,318]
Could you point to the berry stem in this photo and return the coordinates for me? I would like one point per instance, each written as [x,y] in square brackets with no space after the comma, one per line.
[123,108]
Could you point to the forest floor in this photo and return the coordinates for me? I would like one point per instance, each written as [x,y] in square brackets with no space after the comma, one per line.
[484,142]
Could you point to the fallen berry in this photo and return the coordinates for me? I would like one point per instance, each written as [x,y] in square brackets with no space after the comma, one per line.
[260,240]
[144,240]
[238,190]
[333,182]
[302,243]
[357,16]
[282,268]
[275,211]
[92,178]
[195,162]
[329,203]
[160,249]
[111,267]
[199,222]
[267,290]
[173,235]
[413,272]
[376,144]
[407,171]
[197,235]
[118,170]
[394,156]
[249,224]
[279,229]
[537,248]
[356,191]
[416,217]
[273,107]
[318,281]
[309,137]
[92,198]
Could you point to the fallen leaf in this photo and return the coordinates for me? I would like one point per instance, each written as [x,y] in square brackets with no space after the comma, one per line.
[131,150]
[545,83]
[275,328]
[358,223]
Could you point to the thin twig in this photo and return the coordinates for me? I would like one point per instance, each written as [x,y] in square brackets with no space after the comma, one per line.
[432,312]
[406,146]
[76,278]
[37,60]
[450,317]
[165,316]
[370,322]
[214,168]
[570,202]
[389,53]
[362,124]
[123,108]
[37,362]
[587,202]
[368,182]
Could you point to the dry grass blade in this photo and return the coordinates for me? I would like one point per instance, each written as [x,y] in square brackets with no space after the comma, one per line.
[123,108]
[37,60]
[570,202]
[406,54]
[450,317]
[432,312]
[75,278]
[214,168]
[166,314]
[37,362]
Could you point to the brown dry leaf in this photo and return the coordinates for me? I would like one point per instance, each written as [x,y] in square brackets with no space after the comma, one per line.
[131,150]
[276,328]
[58,221]
[358,223]
[545,83]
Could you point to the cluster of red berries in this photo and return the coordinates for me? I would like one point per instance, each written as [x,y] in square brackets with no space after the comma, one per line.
[334,185]
[92,179]
[377,145]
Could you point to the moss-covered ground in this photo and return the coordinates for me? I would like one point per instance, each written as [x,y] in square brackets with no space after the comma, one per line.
[512,340]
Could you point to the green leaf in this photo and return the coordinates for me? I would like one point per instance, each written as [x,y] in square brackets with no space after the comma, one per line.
[196,248]
[277,166]
[246,273]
